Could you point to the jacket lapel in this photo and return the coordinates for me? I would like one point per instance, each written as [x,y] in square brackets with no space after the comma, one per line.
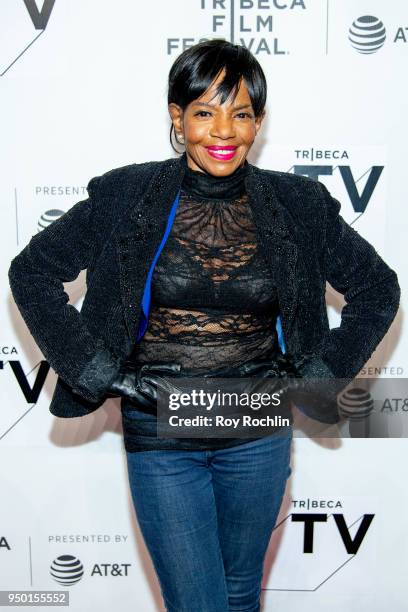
[141,232]
[276,240]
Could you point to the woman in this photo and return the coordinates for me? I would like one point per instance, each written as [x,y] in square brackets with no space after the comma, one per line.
[200,265]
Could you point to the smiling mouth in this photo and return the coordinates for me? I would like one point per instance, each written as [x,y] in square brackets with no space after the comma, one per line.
[222,153]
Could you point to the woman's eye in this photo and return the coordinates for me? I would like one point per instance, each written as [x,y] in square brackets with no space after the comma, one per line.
[203,113]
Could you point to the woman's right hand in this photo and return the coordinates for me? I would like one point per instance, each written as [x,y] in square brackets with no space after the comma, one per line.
[139,382]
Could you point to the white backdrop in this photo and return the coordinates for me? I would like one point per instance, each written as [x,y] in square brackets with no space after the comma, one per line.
[83,90]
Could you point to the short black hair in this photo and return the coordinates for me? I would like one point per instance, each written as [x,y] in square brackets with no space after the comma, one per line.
[195,69]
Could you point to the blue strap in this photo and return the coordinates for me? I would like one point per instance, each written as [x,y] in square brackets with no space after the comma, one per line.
[279,329]
[147,290]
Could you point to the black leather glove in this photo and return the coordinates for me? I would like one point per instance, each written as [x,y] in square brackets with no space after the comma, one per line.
[280,366]
[315,396]
[275,369]
[139,382]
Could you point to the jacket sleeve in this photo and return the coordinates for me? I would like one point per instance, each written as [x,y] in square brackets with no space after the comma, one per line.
[369,286]
[55,255]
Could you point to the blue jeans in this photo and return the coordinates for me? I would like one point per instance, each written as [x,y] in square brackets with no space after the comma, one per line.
[207,517]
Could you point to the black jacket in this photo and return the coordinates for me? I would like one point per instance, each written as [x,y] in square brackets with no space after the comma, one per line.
[115,234]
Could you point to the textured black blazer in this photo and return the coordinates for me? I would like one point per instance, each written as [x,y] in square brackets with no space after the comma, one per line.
[114,234]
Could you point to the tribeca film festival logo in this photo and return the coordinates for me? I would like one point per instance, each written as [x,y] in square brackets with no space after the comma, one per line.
[359,196]
[310,519]
[22,18]
[320,539]
[249,23]
[367,34]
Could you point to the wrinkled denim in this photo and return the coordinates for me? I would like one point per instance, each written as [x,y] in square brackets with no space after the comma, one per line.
[207,519]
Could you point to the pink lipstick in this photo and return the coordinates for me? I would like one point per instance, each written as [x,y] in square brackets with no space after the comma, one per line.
[222,152]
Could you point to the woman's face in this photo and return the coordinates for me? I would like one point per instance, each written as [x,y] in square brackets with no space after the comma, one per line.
[217,137]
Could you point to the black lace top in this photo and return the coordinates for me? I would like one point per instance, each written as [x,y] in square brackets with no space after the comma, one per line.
[213,300]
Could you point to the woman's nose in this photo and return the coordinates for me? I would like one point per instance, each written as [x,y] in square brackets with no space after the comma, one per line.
[222,128]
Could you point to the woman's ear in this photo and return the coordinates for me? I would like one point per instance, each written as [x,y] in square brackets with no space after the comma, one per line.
[258,121]
[176,114]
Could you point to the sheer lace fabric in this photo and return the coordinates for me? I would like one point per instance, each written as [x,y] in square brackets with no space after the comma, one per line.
[213,299]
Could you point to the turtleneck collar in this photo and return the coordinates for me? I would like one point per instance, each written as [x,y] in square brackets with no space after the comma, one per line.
[208,186]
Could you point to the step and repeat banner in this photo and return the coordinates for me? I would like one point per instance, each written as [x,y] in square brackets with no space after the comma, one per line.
[83,90]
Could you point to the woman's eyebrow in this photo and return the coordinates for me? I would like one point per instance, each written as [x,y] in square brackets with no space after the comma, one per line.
[234,108]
